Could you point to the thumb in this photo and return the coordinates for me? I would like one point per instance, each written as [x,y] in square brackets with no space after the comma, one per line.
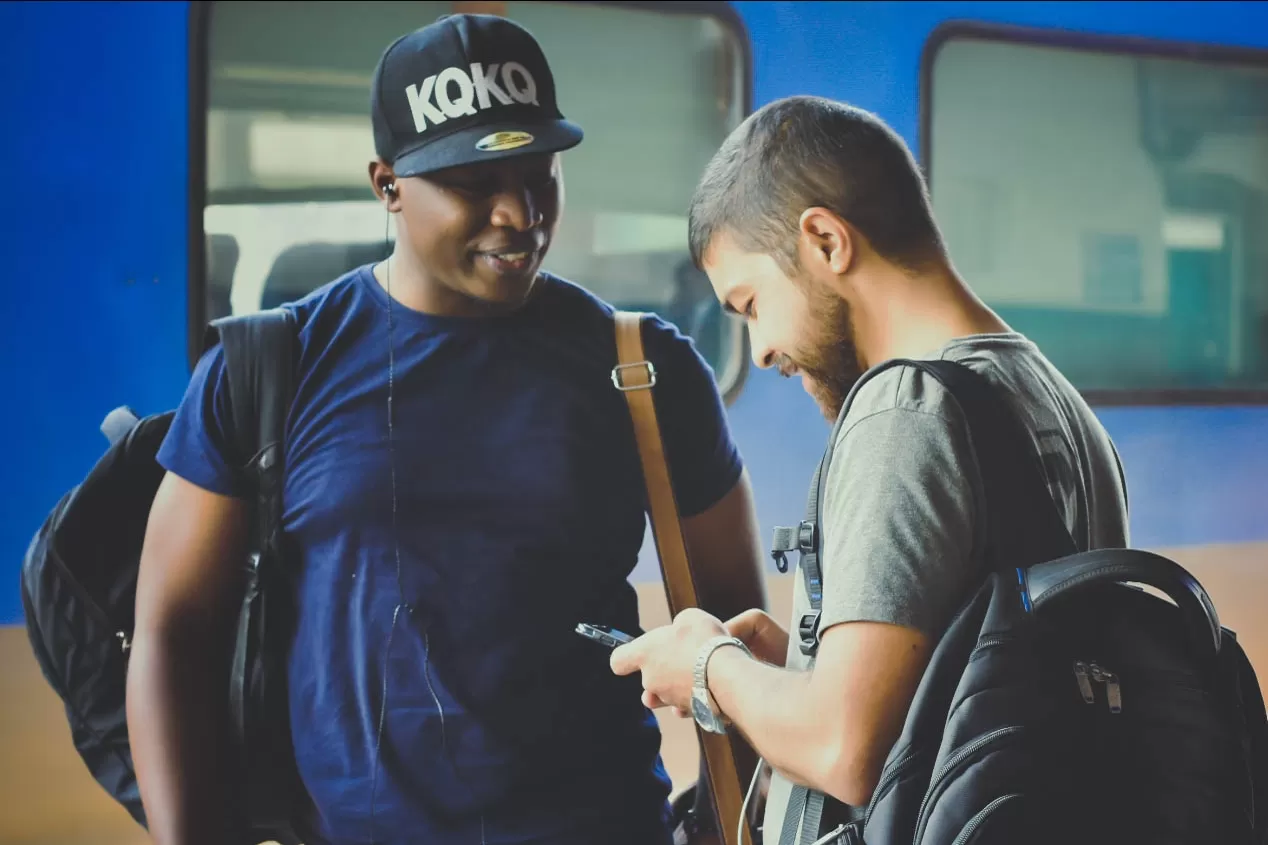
[626,659]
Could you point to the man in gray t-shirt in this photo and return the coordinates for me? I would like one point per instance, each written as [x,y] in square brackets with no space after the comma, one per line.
[813,223]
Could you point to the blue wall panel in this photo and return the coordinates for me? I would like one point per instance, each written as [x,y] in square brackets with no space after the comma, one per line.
[93,199]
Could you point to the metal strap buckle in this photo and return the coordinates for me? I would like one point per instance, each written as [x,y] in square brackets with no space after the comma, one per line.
[619,383]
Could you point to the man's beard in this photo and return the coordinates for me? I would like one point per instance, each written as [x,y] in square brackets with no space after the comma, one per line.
[828,358]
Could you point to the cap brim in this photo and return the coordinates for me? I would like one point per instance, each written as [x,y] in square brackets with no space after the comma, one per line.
[491,142]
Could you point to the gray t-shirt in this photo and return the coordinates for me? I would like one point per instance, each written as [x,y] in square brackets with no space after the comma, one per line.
[900,528]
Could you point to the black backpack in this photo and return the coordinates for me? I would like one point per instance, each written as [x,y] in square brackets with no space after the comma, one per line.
[1061,704]
[79,578]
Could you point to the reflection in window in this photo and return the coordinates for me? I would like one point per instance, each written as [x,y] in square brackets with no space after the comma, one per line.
[1110,207]
[289,206]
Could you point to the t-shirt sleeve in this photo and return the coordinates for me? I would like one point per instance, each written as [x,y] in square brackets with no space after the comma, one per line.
[704,461]
[196,446]
[898,514]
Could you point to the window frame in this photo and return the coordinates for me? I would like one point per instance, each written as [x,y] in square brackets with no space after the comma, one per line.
[1132,46]
[199,72]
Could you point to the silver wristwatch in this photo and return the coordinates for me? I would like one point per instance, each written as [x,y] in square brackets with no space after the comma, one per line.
[703,708]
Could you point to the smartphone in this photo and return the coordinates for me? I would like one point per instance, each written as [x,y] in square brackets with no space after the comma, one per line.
[603,634]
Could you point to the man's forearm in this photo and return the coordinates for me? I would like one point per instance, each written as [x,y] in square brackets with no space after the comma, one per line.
[772,708]
[176,725]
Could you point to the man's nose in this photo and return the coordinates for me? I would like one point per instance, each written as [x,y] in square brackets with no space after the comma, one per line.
[514,209]
[763,354]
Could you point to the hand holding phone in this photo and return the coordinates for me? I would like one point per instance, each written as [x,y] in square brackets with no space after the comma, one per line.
[603,634]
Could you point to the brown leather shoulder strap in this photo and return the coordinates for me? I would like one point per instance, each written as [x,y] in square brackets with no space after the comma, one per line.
[635,376]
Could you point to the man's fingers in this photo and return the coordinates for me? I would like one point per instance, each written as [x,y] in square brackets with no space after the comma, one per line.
[743,626]
[765,638]
[652,702]
[627,659]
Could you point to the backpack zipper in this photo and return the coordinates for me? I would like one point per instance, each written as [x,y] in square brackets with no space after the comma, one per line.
[1112,689]
[1086,673]
[993,640]
[888,781]
[977,821]
[1085,682]
[988,642]
[952,763]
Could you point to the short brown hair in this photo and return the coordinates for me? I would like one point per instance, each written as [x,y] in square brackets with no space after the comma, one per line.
[802,152]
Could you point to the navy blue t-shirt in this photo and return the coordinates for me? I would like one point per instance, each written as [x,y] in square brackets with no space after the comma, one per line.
[520,512]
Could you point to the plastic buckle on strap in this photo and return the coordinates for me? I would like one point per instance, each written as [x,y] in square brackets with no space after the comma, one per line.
[807,536]
[785,541]
[808,632]
[800,538]
[619,382]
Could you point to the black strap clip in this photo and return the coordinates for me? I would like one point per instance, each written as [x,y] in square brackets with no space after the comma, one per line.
[808,632]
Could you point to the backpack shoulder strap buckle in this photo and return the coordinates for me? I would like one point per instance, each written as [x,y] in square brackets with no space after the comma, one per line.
[808,632]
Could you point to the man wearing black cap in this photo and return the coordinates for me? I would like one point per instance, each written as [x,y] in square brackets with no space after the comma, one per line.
[462,488]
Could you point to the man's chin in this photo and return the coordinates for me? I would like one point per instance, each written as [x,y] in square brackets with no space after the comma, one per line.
[822,398]
[505,293]
[829,410]
[829,401]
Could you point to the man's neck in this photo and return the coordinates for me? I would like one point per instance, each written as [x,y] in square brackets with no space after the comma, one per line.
[911,315]
[409,285]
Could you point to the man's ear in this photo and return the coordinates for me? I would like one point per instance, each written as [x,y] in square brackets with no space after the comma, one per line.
[383,181]
[826,241]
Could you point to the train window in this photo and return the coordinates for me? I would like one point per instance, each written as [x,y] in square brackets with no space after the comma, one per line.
[1110,206]
[289,206]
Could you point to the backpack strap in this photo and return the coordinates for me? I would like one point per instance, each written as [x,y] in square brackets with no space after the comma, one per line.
[806,538]
[260,362]
[1023,525]
[803,818]
[635,376]
[259,354]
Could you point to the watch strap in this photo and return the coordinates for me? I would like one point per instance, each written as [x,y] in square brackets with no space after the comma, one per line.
[701,674]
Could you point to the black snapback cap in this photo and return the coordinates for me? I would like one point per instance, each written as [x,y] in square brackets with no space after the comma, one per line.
[463,90]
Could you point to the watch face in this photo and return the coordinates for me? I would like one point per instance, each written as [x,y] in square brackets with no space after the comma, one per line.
[703,715]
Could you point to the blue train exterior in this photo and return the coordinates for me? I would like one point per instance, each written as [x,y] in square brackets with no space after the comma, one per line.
[102,244]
